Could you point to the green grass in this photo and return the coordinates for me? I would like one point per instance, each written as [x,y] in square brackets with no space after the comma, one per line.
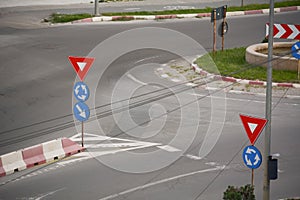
[62,18]
[232,62]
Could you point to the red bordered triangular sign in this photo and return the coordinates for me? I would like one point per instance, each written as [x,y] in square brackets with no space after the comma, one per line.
[253,126]
[81,65]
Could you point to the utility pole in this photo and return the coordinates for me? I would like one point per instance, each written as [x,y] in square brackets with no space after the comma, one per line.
[97,8]
[266,186]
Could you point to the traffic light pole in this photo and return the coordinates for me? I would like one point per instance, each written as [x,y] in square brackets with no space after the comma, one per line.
[266,186]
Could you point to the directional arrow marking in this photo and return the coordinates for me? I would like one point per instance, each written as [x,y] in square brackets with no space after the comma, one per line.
[84,88]
[295,32]
[81,112]
[77,89]
[257,159]
[285,31]
[248,161]
[250,151]
[82,97]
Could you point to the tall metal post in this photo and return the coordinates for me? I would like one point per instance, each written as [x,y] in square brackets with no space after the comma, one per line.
[97,8]
[82,143]
[215,31]
[266,186]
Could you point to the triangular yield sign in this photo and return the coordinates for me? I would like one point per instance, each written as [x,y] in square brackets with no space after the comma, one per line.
[81,65]
[253,126]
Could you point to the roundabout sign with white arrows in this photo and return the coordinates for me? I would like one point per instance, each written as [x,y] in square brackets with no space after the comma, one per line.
[252,157]
[81,91]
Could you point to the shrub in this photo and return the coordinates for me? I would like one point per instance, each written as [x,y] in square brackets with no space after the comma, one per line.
[243,193]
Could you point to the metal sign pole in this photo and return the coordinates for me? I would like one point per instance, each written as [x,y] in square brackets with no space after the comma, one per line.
[82,134]
[215,31]
[298,69]
[223,26]
[252,177]
[266,185]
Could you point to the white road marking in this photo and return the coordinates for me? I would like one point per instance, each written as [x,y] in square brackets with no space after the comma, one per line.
[164,75]
[235,99]
[131,9]
[136,80]
[169,148]
[175,80]
[144,59]
[162,181]
[191,84]
[48,194]
[190,156]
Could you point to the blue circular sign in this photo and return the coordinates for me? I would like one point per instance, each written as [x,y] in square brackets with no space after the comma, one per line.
[296,50]
[81,91]
[81,111]
[252,157]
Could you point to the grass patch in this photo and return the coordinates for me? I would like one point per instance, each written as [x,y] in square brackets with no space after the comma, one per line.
[63,18]
[232,62]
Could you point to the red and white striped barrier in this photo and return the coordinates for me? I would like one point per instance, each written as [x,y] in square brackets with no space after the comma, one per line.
[36,155]
[285,31]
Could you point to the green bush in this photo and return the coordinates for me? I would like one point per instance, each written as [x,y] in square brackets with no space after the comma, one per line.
[243,193]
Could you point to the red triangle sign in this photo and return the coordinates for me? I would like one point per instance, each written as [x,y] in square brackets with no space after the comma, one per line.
[253,126]
[81,65]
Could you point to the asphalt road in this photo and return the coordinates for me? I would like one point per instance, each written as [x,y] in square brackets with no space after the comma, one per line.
[36,86]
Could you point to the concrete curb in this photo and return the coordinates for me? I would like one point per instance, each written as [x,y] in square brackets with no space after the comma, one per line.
[202,72]
[38,154]
[180,16]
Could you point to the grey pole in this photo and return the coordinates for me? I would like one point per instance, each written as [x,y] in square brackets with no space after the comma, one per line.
[97,8]
[266,186]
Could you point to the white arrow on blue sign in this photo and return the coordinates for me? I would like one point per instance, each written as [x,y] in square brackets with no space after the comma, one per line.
[81,111]
[252,157]
[81,91]
[296,50]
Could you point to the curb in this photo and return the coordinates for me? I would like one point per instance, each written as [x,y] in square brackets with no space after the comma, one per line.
[202,72]
[37,155]
[180,16]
